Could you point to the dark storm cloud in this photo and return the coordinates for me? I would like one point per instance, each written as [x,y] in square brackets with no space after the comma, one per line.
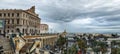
[79,15]
[63,14]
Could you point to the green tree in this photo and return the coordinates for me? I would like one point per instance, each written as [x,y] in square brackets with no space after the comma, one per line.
[98,46]
[60,42]
[115,50]
[72,50]
[82,45]
[103,47]
[95,47]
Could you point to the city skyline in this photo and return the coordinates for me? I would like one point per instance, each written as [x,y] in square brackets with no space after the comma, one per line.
[75,15]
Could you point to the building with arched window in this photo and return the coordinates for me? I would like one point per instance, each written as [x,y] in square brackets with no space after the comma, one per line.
[26,21]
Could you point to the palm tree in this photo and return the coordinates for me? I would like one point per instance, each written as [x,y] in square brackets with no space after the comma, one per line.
[103,47]
[60,42]
[72,50]
[96,49]
[113,43]
[95,46]
[115,50]
[82,45]
[98,46]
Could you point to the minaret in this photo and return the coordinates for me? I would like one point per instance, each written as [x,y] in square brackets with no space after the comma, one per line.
[65,31]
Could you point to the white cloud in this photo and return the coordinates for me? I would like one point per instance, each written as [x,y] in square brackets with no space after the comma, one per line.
[76,13]
[83,21]
[8,1]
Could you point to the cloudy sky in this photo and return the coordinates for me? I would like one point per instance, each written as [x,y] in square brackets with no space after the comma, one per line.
[96,16]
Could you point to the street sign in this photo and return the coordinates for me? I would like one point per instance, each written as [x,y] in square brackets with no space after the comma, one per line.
[1,23]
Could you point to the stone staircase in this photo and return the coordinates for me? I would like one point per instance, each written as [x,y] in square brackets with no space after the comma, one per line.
[5,43]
